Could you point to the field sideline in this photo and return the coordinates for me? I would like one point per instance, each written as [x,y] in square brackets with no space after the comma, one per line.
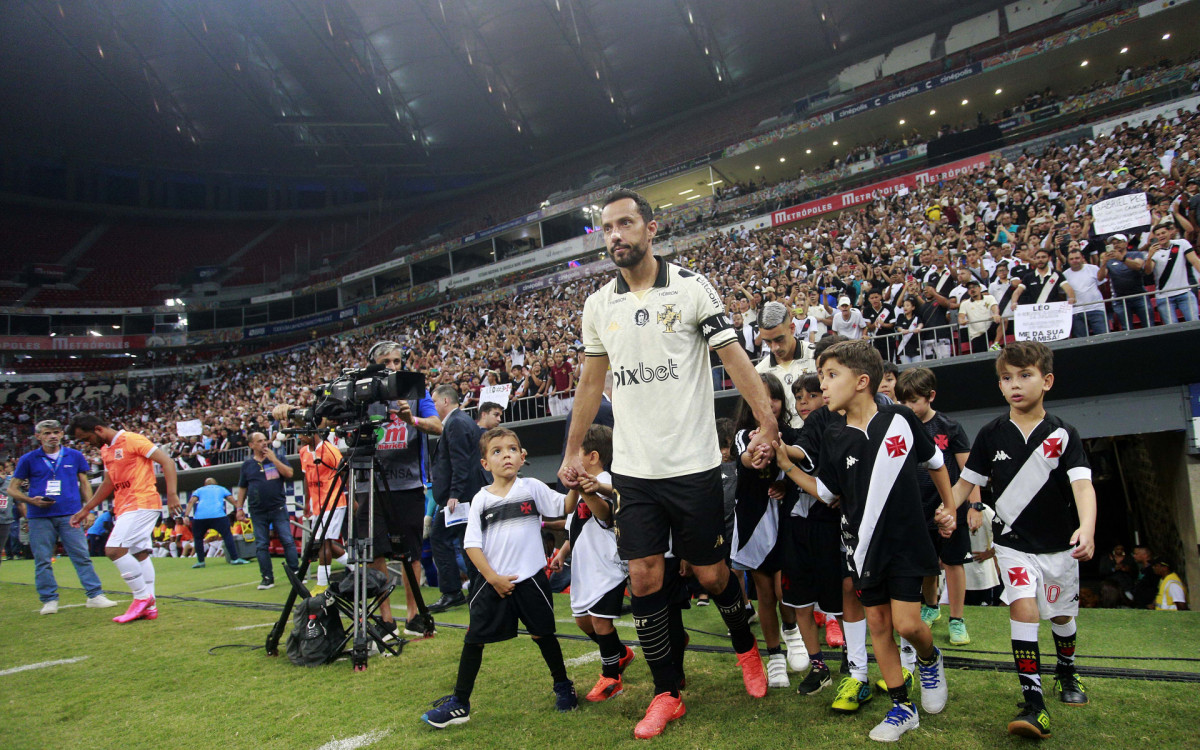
[154,684]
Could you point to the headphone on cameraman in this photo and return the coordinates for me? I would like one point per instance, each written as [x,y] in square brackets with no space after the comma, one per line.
[374,350]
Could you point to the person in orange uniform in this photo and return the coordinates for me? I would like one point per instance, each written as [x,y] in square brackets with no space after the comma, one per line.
[129,478]
[319,459]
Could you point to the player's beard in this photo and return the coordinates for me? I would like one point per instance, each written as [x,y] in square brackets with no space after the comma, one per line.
[632,257]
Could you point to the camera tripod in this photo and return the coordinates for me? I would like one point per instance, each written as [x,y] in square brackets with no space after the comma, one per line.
[367,626]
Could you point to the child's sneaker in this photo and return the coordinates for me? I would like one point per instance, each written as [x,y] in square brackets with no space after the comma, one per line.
[605,688]
[958,632]
[834,638]
[777,671]
[629,656]
[817,679]
[446,711]
[899,720]
[797,653]
[851,695]
[1032,722]
[934,692]
[564,696]
[930,615]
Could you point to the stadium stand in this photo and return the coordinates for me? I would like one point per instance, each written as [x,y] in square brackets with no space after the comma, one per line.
[908,55]
[970,33]
[1002,205]
[1030,12]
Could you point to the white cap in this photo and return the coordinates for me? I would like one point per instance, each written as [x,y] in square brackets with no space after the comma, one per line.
[844,302]
[1120,237]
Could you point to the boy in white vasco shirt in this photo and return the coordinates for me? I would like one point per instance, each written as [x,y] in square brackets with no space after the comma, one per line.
[504,542]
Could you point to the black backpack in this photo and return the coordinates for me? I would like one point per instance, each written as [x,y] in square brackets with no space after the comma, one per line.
[317,634]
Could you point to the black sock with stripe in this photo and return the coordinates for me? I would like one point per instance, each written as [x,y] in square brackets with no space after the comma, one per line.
[735,615]
[651,617]
[611,651]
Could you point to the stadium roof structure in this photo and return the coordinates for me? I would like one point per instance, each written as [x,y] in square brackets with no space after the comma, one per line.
[405,88]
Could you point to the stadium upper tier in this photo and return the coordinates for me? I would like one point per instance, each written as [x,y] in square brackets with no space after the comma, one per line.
[992,213]
[288,253]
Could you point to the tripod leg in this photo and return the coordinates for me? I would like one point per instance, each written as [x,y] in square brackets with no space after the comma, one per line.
[339,480]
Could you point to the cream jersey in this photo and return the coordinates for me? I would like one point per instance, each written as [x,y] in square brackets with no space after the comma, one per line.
[657,344]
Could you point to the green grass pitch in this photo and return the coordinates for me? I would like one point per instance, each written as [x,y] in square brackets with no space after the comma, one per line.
[154,684]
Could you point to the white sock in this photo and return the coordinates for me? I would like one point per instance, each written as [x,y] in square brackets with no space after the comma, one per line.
[148,576]
[131,570]
[1066,630]
[856,648]
[908,655]
[344,560]
[323,575]
[173,550]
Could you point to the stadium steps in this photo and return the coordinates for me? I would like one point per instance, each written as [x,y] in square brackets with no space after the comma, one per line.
[253,243]
[73,255]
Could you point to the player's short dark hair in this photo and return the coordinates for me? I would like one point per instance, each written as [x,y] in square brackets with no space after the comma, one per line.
[725,432]
[809,382]
[1026,354]
[488,406]
[495,434]
[643,205]
[825,342]
[599,438]
[85,422]
[914,383]
[860,357]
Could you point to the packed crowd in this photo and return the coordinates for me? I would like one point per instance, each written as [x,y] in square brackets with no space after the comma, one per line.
[980,222]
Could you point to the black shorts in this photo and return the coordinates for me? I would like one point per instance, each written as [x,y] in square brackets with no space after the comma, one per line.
[610,604]
[399,523]
[685,514]
[494,619]
[812,564]
[899,588]
[956,550]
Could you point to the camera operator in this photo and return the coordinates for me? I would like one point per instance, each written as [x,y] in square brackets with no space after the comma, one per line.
[400,510]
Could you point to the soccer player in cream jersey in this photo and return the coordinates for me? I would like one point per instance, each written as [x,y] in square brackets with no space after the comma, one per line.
[654,324]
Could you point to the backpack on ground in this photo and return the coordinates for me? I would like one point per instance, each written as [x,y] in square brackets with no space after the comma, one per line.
[317,634]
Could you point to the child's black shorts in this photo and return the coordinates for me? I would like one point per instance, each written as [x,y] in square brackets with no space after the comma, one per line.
[899,588]
[812,563]
[494,619]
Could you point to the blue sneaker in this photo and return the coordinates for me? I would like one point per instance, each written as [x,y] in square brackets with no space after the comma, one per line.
[446,711]
[239,561]
[564,696]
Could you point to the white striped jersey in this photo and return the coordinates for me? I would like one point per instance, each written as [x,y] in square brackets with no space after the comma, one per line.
[874,474]
[509,529]
[1030,480]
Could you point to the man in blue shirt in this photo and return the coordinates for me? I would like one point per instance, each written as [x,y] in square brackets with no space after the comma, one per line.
[208,503]
[55,488]
[262,481]
[97,534]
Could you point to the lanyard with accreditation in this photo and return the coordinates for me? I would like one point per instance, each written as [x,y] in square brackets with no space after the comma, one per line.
[53,486]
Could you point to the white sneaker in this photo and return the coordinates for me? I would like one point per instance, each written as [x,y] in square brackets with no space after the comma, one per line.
[797,652]
[934,692]
[50,607]
[777,671]
[899,720]
[100,601]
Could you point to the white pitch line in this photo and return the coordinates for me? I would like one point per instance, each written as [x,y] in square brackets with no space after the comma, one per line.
[222,588]
[352,743]
[41,665]
[586,658]
[252,627]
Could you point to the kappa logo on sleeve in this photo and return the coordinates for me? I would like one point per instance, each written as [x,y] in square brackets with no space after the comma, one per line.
[850,461]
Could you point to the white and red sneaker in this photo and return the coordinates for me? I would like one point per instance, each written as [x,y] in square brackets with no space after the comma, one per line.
[139,609]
